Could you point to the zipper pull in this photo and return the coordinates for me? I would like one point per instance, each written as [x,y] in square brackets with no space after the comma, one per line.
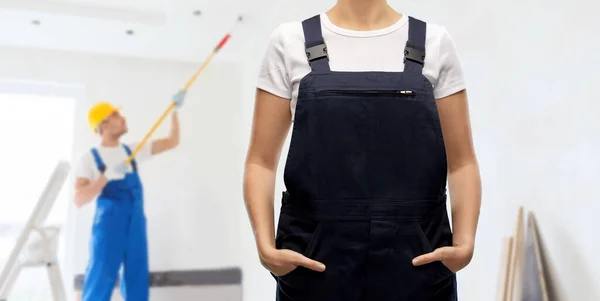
[406,92]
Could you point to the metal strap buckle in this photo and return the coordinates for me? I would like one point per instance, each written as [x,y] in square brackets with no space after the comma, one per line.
[316,52]
[414,55]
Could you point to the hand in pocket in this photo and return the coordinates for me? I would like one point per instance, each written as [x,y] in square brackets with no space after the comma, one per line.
[455,258]
[282,262]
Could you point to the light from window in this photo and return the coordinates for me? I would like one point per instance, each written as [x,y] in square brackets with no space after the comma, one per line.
[36,132]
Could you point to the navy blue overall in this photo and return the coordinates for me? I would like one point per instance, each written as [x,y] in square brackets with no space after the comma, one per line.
[118,237]
[366,182]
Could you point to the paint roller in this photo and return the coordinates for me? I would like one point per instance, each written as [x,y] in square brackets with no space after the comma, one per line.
[187,85]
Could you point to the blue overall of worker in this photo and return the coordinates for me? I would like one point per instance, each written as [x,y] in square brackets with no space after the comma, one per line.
[119,238]
[366,184]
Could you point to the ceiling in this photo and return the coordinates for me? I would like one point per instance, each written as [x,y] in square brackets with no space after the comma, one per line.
[185,30]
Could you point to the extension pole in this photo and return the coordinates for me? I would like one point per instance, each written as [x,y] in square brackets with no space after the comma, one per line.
[187,85]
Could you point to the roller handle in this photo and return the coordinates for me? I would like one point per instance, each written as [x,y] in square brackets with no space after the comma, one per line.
[172,106]
[154,127]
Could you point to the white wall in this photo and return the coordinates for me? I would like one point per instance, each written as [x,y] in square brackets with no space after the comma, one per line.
[531,71]
[191,191]
[162,29]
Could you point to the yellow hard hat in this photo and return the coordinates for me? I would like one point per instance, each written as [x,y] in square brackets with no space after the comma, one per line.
[99,112]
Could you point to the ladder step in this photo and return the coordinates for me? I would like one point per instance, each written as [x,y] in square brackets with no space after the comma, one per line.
[34,264]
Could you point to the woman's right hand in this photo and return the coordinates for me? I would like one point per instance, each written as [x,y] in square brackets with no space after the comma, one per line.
[284,261]
[270,126]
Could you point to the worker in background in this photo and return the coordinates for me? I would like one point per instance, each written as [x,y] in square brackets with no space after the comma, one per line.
[119,228]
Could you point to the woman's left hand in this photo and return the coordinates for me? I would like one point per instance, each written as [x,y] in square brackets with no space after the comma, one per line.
[455,258]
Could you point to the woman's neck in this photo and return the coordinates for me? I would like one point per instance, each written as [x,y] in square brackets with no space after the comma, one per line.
[363,14]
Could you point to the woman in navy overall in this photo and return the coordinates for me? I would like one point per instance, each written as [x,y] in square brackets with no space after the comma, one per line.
[380,120]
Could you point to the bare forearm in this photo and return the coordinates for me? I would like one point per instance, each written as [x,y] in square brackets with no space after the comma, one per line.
[465,193]
[87,193]
[259,187]
[174,133]
[170,142]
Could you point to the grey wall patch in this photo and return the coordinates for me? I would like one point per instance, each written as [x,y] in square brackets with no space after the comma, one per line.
[230,276]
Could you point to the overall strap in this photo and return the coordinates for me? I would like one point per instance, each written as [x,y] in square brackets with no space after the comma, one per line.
[316,50]
[128,151]
[98,159]
[414,53]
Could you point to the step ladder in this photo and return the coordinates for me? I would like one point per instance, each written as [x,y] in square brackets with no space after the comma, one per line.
[37,244]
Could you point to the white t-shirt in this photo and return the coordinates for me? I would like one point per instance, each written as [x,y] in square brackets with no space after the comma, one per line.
[111,156]
[285,63]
